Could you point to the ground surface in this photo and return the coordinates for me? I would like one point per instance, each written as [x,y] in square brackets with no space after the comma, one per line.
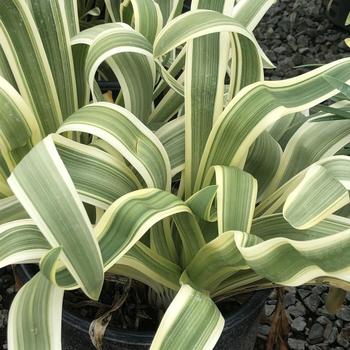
[293,33]
[297,32]
[309,324]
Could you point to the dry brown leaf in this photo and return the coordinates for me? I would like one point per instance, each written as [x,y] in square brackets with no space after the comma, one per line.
[279,326]
[98,327]
[108,96]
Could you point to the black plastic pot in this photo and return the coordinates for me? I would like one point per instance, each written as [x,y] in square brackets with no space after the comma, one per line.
[239,332]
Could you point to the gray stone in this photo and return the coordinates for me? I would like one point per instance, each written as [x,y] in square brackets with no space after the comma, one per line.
[314,347]
[342,341]
[297,310]
[289,300]
[290,289]
[303,50]
[10,290]
[343,337]
[327,330]
[269,309]
[347,297]
[344,313]
[303,293]
[315,334]
[264,330]
[323,320]
[332,336]
[298,324]
[296,344]
[303,41]
[322,346]
[339,323]
[312,302]
[322,311]
[3,318]
[280,50]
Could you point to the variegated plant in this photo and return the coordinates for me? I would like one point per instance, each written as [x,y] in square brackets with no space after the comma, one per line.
[206,181]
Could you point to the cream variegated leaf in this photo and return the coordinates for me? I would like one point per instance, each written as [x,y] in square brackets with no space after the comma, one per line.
[20,39]
[53,26]
[38,325]
[304,261]
[123,131]
[63,220]
[193,315]
[243,120]
[319,194]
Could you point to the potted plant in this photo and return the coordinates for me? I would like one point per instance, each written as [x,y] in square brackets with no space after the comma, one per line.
[201,180]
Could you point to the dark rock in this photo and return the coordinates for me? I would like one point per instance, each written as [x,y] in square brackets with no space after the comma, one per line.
[297,310]
[297,61]
[332,336]
[298,324]
[303,50]
[6,281]
[284,25]
[323,320]
[270,32]
[347,297]
[315,334]
[314,347]
[269,309]
[344,313]
[327,330]
[312,302]
[303,293]
[322,346]
[339,323]
[11,290]
[264,330]
[319,289]
[280,50]
[303,41]
[289,299]
[290,290]
[3,318]
[296,344]
[322,311]
[343,339]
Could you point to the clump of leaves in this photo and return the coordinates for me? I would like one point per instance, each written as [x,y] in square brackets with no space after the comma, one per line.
[201,179]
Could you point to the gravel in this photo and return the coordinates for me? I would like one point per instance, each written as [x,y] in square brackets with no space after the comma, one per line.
[295,33]
[7,293]
[309,328]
